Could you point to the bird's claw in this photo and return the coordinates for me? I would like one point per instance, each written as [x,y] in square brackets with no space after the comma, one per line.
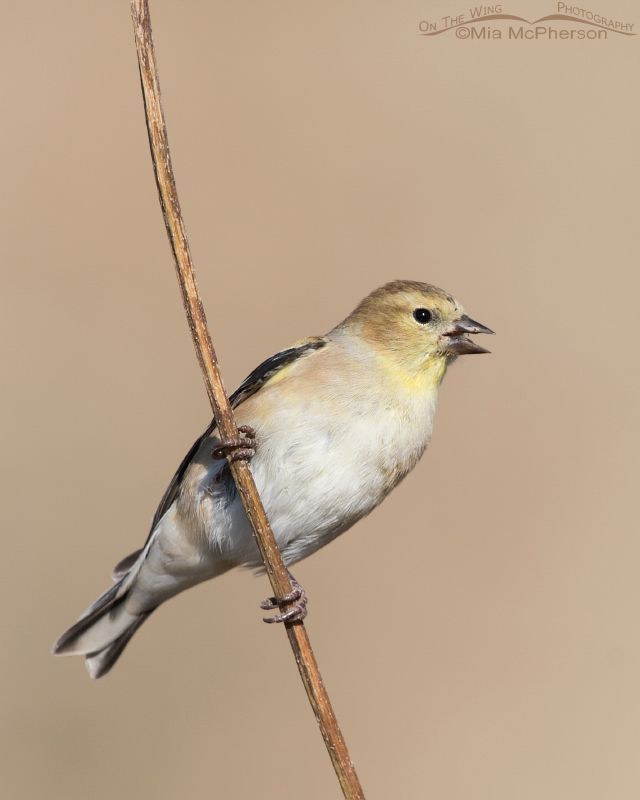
[297,596]
[243,448]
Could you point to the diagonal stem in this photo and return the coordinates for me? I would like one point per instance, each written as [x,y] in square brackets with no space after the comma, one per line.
[222,412]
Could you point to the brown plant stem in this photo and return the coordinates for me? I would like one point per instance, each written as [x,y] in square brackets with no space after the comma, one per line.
[222,412]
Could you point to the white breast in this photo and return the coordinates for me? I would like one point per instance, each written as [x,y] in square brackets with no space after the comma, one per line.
[320,466]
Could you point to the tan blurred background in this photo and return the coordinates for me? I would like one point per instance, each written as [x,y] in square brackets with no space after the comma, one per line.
[480,632]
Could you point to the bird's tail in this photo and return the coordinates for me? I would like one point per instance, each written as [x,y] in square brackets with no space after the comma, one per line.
[103,631]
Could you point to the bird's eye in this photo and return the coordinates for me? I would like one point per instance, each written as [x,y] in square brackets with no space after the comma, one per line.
[422,315]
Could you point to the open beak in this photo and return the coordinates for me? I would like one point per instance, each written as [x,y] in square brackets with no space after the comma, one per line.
[455,341]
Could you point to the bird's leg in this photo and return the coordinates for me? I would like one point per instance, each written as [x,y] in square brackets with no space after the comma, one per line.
[243,448]
[297,612]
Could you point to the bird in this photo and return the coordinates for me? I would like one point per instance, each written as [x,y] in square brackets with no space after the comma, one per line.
[331,425]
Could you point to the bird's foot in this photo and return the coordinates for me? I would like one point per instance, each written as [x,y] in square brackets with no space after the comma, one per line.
[296,596]
[243,448]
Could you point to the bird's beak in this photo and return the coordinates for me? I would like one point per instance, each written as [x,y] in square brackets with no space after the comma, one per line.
[454,341]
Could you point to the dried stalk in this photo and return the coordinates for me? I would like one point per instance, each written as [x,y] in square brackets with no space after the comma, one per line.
[222,412]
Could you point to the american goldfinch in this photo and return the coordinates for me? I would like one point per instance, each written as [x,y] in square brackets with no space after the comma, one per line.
[332,425]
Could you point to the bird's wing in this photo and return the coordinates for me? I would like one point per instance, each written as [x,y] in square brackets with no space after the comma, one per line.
[247,388]
[273,365]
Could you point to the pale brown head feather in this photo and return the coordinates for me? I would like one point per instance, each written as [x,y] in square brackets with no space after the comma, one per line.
[385,319]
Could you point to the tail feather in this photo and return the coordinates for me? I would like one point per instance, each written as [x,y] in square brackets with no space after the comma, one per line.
[99,663]
[103,630]
[68,643]
[122,567]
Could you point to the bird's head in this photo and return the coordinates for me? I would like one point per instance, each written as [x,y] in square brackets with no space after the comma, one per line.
[416,328]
